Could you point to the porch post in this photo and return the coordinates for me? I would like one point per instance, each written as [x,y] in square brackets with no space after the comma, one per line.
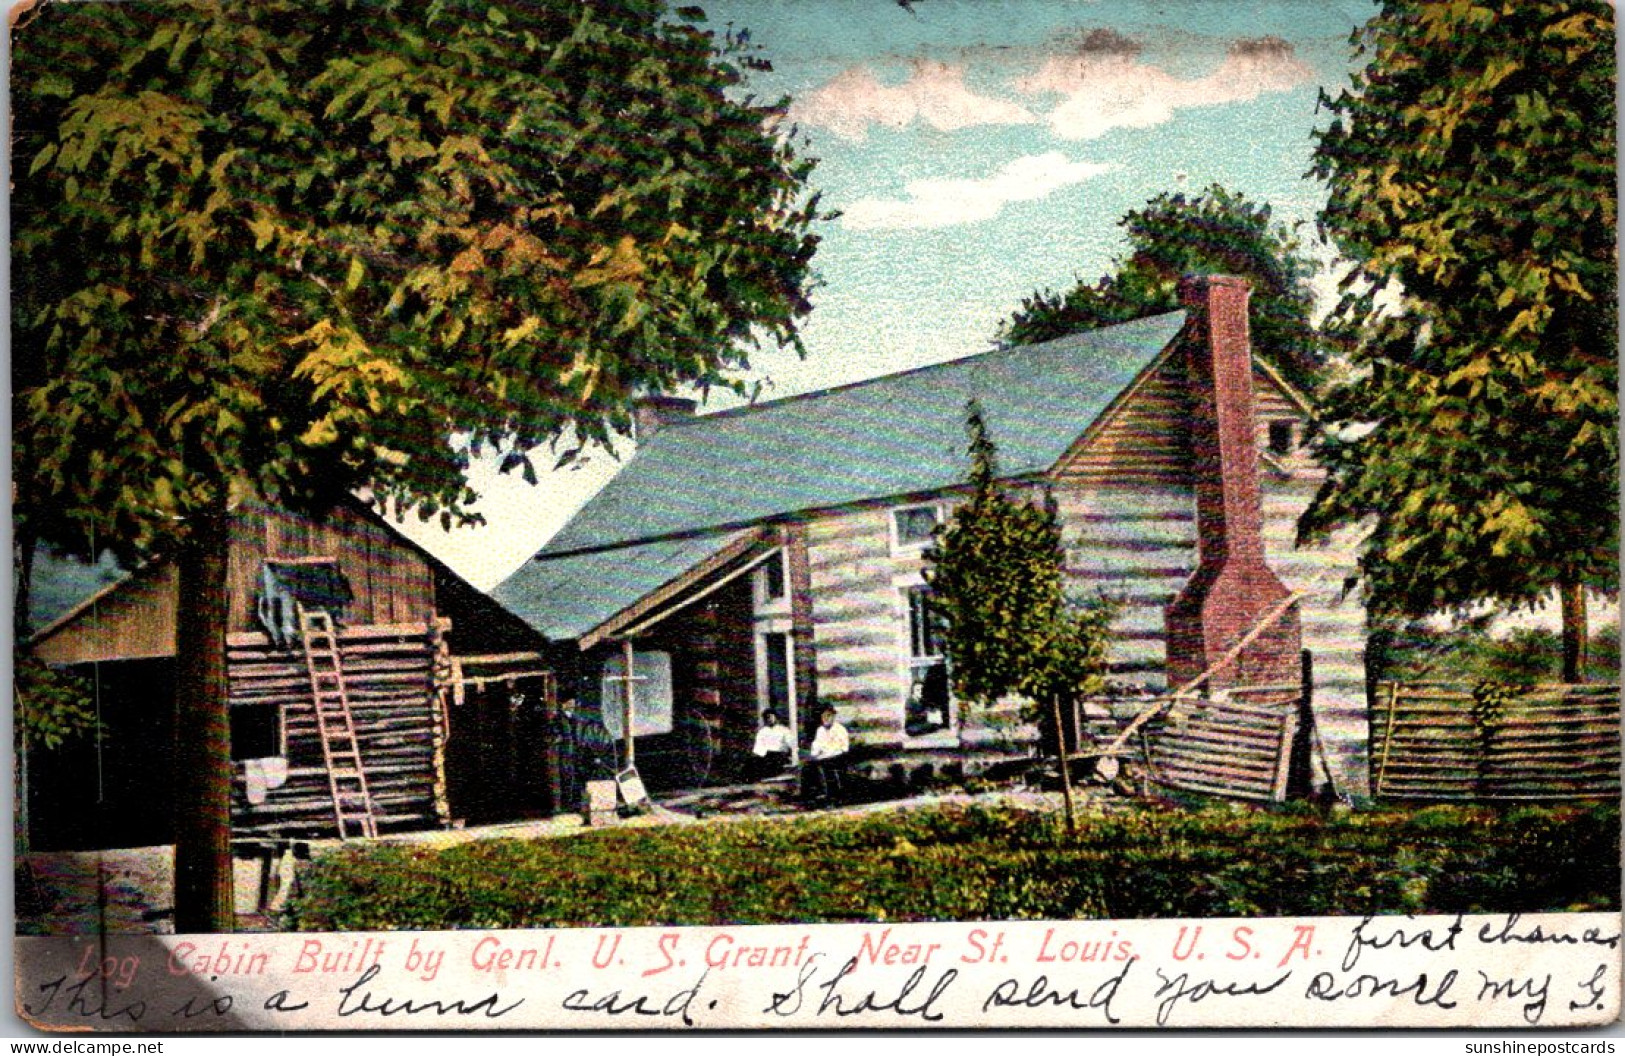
[795,704]
[626,700]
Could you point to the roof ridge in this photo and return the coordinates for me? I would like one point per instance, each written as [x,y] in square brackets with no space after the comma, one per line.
[749,408]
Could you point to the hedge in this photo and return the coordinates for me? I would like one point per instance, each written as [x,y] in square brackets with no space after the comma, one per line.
[972,862]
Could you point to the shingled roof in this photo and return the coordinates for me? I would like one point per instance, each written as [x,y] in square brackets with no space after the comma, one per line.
[689,488]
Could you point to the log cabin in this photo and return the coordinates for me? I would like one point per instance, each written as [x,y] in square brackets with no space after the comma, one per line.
[772,556]
[444,701]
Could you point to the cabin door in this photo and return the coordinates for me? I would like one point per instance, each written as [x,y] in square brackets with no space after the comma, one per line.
[775,677]
[775,648]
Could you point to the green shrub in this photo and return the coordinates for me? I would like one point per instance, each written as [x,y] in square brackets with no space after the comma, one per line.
[958,862]
[1468,653]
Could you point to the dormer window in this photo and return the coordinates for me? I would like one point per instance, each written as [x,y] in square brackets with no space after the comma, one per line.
[912,526]
[1283,436]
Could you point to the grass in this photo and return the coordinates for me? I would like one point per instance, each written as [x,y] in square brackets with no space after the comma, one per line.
[957,862]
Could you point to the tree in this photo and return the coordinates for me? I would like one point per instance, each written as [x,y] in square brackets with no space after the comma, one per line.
[1471,177]
[1216,232]
[288,250]
[998,586]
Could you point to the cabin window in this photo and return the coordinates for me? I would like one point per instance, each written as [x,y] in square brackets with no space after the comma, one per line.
[1283,436]
[317,583]
[927,709]
[913,526]
[770,584]
[775,649]
[776,668]
[651,695]
[256,731]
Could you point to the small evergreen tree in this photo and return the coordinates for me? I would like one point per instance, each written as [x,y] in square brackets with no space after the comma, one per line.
[997,580]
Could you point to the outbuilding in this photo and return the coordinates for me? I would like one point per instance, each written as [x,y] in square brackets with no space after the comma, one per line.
[438,699]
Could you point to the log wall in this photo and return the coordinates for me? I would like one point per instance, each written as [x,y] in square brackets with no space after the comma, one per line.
[389,674]
[1138,544]
[1334,622]
[859,622]
[1128,512]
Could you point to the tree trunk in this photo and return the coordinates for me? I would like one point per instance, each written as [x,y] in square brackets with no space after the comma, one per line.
[203,887]
[1066,771]
[1576,635]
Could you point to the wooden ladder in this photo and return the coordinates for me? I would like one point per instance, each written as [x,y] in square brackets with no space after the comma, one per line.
[335,726]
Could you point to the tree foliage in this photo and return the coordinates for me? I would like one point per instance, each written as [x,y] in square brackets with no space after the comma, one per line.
[288,249]
[1471,171]
[53,706]
[996,576]
[1215,232]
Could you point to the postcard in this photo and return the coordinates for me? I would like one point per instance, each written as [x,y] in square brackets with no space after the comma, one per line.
[847,515]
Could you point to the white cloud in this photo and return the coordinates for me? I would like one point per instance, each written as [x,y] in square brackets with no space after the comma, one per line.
[1105,86]
[1102,85]
[943,203]
[934,93]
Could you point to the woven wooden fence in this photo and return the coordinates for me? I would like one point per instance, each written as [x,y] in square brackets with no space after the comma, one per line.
[1442,741]
[1237,745]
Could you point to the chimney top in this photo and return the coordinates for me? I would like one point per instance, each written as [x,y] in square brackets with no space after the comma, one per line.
[1194,290]
[652,413]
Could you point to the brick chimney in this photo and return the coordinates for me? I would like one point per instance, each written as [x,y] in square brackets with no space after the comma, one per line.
[650,414]
[1232,587]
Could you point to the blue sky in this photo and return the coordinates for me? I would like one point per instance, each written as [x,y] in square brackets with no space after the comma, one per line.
[979,150]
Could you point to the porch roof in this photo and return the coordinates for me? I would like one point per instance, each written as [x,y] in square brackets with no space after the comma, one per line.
[567,598]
